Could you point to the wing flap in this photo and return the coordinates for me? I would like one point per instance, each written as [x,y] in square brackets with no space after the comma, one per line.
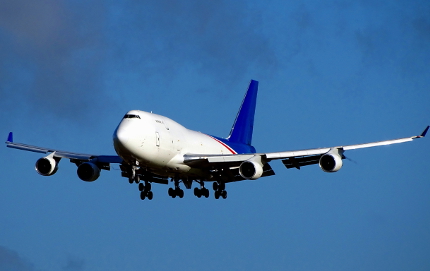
[297,162]
[282,155]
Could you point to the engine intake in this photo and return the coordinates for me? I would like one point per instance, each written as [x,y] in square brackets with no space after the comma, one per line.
[251,169]
[331,161]
[47,166]
[88,172]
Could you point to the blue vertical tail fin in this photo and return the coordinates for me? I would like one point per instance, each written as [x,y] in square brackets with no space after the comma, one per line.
[243,126]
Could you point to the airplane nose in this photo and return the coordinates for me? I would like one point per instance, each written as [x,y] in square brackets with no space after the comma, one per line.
[120,138]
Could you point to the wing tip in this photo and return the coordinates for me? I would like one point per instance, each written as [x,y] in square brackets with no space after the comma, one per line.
[10,137]
[423,134]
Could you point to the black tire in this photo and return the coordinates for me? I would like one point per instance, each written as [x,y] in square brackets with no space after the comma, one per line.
[130,180]
[142,195]
[181,193]
[148,186]
[197,192]
[215,186]
[150,195]
[206,193]
[171,192]
[224,194]
[217,194]
[141,187]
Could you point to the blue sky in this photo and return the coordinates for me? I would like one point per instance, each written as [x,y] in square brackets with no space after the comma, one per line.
[330,72]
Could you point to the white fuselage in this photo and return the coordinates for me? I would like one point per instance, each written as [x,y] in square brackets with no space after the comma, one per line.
[159,144]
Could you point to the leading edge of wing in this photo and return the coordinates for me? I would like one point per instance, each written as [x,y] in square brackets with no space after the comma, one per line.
[62,154]
[281,155]
[386,142]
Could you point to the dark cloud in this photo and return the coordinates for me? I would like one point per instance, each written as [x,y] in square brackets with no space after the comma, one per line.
[11,261]
[219,38]
[57,55]
[399,38]
[51,56]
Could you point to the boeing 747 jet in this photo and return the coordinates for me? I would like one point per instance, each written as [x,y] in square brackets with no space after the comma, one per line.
[155,149]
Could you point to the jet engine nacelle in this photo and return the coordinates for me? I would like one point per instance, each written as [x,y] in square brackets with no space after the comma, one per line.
[47,166]
[88,172]
[251,169]
[331,161]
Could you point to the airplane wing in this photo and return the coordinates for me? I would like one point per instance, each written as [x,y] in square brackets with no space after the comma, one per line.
[87,174]
[291,159]
[74,157]
[308,157]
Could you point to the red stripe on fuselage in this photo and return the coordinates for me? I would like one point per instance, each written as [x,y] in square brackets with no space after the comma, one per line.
[225,145]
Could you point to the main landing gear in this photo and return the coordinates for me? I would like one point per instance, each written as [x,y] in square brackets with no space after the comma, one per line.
[219,190]
[177,191]
[202,191]
[145,191]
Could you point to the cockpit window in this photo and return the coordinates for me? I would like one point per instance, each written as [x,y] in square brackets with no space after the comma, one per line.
[131,116]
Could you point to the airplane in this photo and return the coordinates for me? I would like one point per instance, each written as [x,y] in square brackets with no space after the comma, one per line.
[155,149]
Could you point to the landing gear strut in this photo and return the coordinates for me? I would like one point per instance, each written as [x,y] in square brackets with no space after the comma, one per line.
[219,190]
[134,177]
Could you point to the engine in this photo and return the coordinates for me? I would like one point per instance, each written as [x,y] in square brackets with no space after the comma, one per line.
[88,172]
[47,166]
[331,162]
[251,169]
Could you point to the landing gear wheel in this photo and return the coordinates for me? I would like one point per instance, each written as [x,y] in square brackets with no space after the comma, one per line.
[141,187]
[171,192]
[217,194]
[215,186]
[224,194]
[204,192]
[197,192]
[142,195]
[130,179]
[181,193]
[150,195]
[148,186]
